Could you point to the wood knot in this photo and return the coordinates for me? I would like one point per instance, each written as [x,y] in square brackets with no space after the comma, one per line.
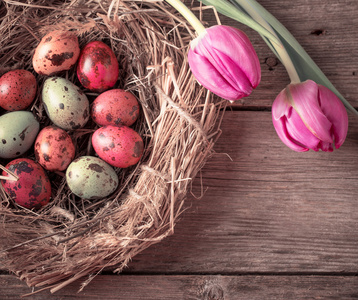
[213,292]
[271,62]
[318,32]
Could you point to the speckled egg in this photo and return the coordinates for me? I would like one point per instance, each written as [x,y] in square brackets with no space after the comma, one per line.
[18,131]
[57,51]
[120,146]
[17,89]
[33,189]
[97,67]
[54,149]
[89,177]
[115,107]
[65,104]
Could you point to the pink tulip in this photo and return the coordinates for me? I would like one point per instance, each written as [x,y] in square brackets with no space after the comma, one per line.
[308,115]
[224,61]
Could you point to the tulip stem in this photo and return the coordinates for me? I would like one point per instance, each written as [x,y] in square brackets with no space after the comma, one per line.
[281,52]
[188,15]
[287,62]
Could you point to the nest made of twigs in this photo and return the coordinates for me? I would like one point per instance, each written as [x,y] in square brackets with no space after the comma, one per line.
[72,237]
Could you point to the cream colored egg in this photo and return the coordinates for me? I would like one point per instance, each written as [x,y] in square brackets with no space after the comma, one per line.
[65,104]
[90,177]
[18,131]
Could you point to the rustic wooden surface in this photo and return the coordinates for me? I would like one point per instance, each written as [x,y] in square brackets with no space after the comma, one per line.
[272,223]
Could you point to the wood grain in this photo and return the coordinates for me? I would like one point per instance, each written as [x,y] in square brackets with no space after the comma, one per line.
[325,29]
[268,210]
[195,288]
[272,223]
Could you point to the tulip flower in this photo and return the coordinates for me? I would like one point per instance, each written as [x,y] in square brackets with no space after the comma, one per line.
[223,60]
[308,115]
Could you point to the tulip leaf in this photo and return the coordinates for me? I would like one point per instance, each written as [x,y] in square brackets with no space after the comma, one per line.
[232,11]
[304,65]
[273,49]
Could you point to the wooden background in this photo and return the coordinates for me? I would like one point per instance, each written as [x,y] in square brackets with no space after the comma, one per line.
[272,224]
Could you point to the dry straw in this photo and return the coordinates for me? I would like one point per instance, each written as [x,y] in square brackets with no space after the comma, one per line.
[71,237]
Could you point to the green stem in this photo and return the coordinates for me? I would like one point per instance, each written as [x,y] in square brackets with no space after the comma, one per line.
[234,12]
[280,49]
[188,15]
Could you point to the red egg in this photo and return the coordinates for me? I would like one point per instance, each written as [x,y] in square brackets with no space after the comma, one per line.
[115,107]
[54,149]
[57,51]
[17,89]
[97,67]
[120,146]
[33,189]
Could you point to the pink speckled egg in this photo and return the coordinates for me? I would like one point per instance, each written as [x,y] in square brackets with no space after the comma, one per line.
[57,51]
[120,146]
[17,89]
[33,189]
[115,107]
[54,149]
[97,68]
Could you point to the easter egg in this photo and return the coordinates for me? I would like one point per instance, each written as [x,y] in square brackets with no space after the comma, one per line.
[18,131]
[97,67]
[54,149]
[32,189]
[17,89]
[115,107]
[89,177]
[57,51]
[65,104]
[120,146]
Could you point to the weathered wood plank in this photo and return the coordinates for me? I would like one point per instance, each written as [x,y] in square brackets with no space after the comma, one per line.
[196,288]
[268,210]
[326,30]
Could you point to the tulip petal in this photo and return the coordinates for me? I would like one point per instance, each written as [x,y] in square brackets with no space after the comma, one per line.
[280,106]
[335,112]
[223,60]
[281,110]
[235,44]
[280,126]
[210,78]
[326,147]
[298,131]
[232,73]
[304,97]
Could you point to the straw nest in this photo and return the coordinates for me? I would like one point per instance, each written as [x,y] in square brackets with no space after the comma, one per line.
[72,237]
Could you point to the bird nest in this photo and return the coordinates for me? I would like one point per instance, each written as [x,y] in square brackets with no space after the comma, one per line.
[72,237]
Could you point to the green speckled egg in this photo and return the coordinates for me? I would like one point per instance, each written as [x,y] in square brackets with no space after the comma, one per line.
[90,177]
[18,131]
[65,104]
